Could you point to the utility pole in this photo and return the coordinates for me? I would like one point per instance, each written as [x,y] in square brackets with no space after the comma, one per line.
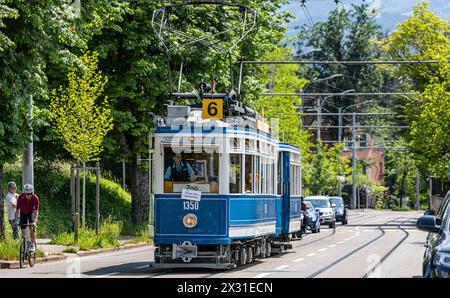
[28,159]
[319,117]
[354,160]
[340,125]
[150,178]
[418,190]
[123,174]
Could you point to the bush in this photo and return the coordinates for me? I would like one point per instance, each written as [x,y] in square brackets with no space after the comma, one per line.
[52,184]
[404,208]
[108,236]
[9,249]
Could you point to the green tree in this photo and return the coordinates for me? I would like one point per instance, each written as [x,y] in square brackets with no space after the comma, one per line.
[80,116]
[136,67]
[283,111]
[326,165]
[424,36]
[38,42]
[344,35]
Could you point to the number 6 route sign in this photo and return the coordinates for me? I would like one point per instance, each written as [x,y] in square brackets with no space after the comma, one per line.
[212,109]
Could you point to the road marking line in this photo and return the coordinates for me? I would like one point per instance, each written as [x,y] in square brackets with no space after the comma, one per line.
[261,275]
[281,267]
[347,239]
[106,275]
[298,260]
[332,245]
[311,254]
[323,249]
[340,242]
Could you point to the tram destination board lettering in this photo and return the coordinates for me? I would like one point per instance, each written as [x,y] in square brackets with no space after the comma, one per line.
[212,109]
[191,195]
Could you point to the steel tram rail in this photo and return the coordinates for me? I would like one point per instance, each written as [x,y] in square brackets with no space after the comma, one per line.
[383,232]
[386,255]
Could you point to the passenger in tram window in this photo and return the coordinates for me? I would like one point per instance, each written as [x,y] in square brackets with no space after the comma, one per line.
[248,181]
[179,170]
[213,184]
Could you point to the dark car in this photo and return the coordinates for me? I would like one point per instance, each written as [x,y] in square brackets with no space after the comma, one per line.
[436,261]
[314,224]
[341,211]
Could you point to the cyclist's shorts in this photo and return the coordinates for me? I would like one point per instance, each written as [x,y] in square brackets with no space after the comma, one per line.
[25,219]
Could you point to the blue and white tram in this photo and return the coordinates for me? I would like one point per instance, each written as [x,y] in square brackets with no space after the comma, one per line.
[226,192]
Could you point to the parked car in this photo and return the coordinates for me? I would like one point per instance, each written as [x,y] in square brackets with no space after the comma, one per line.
[436,260]
[314,224]
[341,211]
[322,205]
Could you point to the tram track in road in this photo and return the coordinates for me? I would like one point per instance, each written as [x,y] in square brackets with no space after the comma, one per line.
[334,231]
[368,217]
[386,255]
[334,263]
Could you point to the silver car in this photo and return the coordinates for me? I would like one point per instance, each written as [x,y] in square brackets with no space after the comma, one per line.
[326,211]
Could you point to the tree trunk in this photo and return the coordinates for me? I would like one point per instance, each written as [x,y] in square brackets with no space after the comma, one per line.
[139,192]
[2,204]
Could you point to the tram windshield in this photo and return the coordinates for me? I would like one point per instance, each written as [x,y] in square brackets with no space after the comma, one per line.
[198,170]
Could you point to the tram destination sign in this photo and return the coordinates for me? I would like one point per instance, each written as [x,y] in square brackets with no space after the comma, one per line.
[191,195]
[212,108]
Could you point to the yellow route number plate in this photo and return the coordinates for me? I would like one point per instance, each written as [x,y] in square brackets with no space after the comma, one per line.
[212,109]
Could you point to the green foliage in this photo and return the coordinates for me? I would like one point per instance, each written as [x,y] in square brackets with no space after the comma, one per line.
[326,166]
[70,250]
[424,36]
[401,171]
[81,119]
[140,239]
[108,236]
[404,208]
[9,249]
[52,182]
[284,110]
[344,35]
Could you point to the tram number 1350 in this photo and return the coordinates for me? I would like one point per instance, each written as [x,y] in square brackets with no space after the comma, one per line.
[190,205]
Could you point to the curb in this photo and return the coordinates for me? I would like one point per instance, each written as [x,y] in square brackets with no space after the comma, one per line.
[16,264]
[83,253]
[53,258]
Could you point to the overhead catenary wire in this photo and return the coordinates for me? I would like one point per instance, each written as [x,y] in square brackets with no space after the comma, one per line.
[338,94]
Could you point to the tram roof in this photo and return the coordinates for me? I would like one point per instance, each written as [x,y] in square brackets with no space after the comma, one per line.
[288,147]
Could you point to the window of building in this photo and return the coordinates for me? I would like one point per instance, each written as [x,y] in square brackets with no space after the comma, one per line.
[363,140]
[198,170]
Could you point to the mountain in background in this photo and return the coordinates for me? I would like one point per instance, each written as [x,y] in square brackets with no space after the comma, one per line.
[391,12]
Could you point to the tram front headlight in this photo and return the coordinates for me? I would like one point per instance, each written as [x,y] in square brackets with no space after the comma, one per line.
[190,220]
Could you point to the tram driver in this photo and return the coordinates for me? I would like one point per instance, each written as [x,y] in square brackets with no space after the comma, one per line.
[179,170]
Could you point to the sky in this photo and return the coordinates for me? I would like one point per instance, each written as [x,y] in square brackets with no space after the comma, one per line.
[391,12]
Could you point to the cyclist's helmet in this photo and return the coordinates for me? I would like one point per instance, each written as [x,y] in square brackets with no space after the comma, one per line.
[28,188]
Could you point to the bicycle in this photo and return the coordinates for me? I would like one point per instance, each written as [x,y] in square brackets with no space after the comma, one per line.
[25,246]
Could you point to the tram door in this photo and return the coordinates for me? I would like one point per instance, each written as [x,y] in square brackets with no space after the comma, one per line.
[285,210]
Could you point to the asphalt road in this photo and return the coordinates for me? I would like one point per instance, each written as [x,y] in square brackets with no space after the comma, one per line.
[358,249]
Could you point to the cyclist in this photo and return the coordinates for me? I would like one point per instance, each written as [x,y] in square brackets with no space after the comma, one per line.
[28,205]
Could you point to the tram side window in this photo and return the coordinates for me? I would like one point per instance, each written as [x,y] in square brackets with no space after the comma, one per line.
[235,173]
[200,170]
[248,173]
[291,179]
[279,173]
[257,174]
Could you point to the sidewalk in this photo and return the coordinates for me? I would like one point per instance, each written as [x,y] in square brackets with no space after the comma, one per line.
[54,252]
[48,249]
